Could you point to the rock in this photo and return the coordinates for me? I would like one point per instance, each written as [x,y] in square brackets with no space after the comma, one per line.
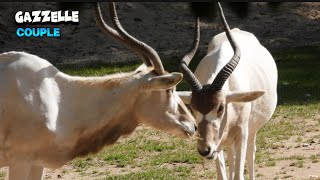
[305,145]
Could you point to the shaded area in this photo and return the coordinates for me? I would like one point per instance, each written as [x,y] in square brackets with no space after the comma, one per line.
[299,75]
[167,27]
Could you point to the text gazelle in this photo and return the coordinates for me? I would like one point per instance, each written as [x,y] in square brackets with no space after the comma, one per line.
[47,16]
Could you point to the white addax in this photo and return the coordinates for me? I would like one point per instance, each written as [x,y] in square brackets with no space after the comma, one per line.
[231,99]
[48,118]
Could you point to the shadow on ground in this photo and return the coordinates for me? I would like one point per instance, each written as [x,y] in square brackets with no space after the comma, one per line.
[298,71]
[299,75]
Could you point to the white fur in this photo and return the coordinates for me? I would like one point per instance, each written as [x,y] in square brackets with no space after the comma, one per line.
[255,71]
[44,112]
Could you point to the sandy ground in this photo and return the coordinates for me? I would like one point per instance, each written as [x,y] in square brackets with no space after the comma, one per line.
[294,156]
[286,166]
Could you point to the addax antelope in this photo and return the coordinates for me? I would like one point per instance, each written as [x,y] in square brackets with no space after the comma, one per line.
[48,118]
[233,94]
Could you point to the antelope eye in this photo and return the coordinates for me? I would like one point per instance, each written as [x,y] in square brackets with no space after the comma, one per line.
[220,108]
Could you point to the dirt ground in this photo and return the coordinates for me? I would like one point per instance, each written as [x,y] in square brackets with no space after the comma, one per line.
[292,160]
[293,157]
[286,165]
[168,28]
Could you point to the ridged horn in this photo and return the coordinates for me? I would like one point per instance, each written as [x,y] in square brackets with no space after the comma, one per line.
[226,71]
[144,48]
[188,75]
[106,29]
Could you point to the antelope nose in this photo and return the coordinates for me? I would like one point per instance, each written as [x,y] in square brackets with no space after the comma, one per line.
[195,127]
[204,152]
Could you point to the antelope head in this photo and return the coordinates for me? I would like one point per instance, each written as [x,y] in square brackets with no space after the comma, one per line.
[209,102]
[157,103]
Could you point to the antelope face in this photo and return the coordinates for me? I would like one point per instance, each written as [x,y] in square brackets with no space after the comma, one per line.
[210,108]
[157,103]
[160,106]
[209,101]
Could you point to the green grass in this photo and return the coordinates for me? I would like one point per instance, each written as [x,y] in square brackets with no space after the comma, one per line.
[298,164]
[299,99]
[172,158]
[299,75]
[3,175]
[271,163]
[81,164]
[315,158]
[156,173]
[100,70]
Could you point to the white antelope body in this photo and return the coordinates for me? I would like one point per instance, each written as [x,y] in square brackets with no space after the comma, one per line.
[231,111]
[48,118]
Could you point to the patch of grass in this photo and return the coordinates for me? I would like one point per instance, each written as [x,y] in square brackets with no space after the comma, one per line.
[3,174]
[259,175]
[298,164]
[294,157]
[315,158]
[287,177]
[299,139]
[275,131]
[64,171]
[100,70]
[298,75]
[175,157]
[183,171]
[119,155]
[298,157]
[297,111]
[270,162]
[158,173]
[181,151]
[154,146]
[82,164]
[299,101]
[299,98]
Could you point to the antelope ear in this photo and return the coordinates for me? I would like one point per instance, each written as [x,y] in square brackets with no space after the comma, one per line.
[185,96]
[163,82]
[245,96]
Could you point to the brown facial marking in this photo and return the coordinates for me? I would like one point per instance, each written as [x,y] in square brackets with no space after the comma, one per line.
[205,100]
[205,131]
